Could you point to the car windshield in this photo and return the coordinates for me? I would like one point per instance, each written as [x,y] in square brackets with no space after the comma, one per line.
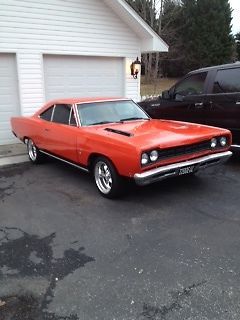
[110,111]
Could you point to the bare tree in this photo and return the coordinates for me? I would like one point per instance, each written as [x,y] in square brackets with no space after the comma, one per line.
[153,12]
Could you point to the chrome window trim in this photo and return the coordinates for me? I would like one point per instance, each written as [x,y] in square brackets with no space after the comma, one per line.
[79,124]
[107,100]
[54,106]
[70,115]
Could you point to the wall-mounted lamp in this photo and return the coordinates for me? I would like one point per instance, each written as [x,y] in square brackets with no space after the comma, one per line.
[135,68]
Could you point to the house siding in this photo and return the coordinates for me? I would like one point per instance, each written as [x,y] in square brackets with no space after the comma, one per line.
[32,28]
[30,74]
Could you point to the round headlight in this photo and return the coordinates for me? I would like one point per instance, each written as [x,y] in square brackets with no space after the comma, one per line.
[144,159]
[223,141]
[213,143]
[153,155]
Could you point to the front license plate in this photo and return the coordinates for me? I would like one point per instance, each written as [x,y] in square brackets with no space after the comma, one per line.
[186,170]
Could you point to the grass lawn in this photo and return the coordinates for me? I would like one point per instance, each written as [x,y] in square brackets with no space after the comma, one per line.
[155,88]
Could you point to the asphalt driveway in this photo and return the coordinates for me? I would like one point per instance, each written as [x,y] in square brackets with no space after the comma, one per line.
[166,251]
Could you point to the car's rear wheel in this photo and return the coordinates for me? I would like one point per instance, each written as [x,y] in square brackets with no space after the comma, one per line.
[33,152]
[107,180]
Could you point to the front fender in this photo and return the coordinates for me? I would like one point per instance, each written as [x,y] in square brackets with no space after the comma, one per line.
[124,157]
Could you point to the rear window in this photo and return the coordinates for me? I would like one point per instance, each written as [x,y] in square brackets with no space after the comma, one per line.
[227,81]
[47,115]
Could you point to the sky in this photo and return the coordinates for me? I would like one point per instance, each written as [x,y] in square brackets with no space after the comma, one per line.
[235,4]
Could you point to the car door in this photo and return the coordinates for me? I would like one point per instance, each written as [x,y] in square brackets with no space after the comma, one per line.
[224,95]
[41,139]
[61,133]
[185,101]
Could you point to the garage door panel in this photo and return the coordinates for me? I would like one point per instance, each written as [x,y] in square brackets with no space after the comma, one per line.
[71,76]
[9,105]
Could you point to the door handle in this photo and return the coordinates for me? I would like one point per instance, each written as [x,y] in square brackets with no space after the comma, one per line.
[237,102]
[199,105]
[155,105]
[46,129]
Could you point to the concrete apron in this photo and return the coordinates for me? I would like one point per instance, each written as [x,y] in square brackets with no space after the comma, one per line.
[13,154]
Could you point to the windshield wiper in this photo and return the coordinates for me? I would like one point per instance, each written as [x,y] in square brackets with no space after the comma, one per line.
[104,122]
[134,118]
[101,122]
[119,121]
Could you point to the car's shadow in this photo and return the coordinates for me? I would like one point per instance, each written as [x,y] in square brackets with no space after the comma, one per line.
[203,181]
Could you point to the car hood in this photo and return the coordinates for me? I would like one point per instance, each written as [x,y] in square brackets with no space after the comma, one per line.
[157,133]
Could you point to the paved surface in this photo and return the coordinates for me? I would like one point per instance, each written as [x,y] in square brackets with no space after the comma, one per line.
[167,251]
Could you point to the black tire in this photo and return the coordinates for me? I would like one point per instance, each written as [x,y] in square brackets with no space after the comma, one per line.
[34,154]
[110,184]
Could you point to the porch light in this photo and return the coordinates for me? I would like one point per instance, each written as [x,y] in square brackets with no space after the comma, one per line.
[135,68]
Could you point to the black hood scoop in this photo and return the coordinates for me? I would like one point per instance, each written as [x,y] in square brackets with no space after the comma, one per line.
[123,133]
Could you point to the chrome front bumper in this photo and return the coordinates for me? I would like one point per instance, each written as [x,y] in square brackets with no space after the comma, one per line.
[235,147]
[172,170]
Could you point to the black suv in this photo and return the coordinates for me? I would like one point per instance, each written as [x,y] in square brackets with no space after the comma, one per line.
[208,96]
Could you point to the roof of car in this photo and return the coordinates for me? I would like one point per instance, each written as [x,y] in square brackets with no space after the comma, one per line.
[84,100]
[76,101]
[221,66]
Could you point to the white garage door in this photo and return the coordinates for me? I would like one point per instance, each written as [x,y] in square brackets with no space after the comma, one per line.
[78,76]
[9,98]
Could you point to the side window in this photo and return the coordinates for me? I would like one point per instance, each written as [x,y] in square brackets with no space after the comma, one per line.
[47,115]
[61,113]
[227,81]
[192,85]
[72,120]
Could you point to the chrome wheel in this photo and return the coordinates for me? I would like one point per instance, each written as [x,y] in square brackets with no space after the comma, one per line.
[32,150]
[103,177]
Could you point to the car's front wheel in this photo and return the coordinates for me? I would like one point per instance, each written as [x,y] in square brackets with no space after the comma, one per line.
[34,154]
[107,180]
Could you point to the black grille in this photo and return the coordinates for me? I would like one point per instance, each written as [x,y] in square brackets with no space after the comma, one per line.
[179,151]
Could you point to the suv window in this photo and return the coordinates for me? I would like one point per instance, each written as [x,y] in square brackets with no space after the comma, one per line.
[194,84]
[47,115]
[227,81]
[61,113]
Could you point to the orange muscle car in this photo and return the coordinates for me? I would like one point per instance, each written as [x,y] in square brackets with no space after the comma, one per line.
[115,139]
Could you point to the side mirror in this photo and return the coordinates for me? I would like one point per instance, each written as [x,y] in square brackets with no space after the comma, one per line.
[166,95]
[179,97]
